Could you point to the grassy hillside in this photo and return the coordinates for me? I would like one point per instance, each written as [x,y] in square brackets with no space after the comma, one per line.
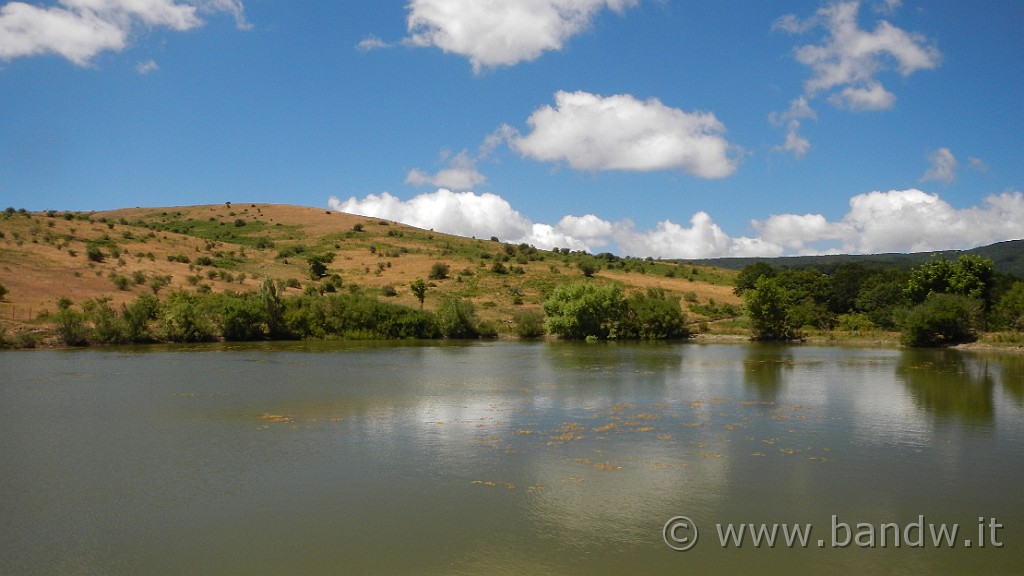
[231,247]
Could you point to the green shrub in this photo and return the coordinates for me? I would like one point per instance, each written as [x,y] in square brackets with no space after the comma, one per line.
[242,317]
[183,320]
[3,291]
[529,324]
[652,316]
[579,310]
[456,318]
[439,271]
[137,316]
[941,320]
[94,254]
[71,327]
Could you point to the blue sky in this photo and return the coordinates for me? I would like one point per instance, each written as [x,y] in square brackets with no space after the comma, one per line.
[643,127]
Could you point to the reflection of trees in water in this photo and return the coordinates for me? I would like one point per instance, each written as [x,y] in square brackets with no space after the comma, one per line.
[766,368]
[1011,369]
[637,357]
[949,385]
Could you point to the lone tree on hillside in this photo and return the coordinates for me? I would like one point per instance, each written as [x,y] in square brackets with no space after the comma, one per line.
[419,288]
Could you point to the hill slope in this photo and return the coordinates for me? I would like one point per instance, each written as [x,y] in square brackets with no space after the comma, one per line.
[232,247]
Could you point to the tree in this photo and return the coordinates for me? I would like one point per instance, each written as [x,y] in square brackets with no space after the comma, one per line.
[580,310]
[941,320]
[419,288]
[749,274]
[1009,312]
[318,264]
[970,276]
[273,310]
[768,306]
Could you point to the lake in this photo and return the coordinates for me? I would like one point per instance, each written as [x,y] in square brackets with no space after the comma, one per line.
[509,458]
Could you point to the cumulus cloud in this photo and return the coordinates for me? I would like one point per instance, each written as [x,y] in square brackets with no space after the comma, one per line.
[591,132]
[877,222]
[796,144]
[462,213]
[461,174]
[943,166]
[848,61]
[900,221]
[78,30]
[502,32]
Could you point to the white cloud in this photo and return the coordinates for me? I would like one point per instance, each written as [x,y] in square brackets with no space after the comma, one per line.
[461,174]
[146,67]
[888,7]
[371,43]
[462,213]
[592,132]
[794,143]
[502,32]
[78,30]
[799,108]
[943,166]
[877,222]
[849,59]
[900,221]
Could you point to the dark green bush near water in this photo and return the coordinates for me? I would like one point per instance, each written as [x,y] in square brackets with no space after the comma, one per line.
[941,320]
[585,310]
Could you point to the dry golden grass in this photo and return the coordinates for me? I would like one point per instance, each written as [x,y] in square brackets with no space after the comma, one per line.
[43,258]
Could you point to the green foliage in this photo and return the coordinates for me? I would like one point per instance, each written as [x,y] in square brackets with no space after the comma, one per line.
[137,315]
[318,264]
[749,274]
[652,316]
[881,296]
[71,327]
[273,309]
[970,276]
[1009,312]
[122,282]
[768,306]
[580,310]
[355,316]
[439,271]
[588,267]
[855,322]
[3,291]
[183,319]
[941,320]
[456,318]
[529,324]
[108,327]
[242,317]
[94,253]
[419,288]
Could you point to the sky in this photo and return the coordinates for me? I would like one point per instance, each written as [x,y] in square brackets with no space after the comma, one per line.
[662,128]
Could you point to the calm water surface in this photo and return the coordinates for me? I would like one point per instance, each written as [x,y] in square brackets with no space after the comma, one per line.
[502,458]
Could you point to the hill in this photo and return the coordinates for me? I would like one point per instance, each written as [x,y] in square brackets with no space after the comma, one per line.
[231,247]
[1008,258]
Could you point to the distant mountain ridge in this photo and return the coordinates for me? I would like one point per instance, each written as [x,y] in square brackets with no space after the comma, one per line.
[1007,256]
